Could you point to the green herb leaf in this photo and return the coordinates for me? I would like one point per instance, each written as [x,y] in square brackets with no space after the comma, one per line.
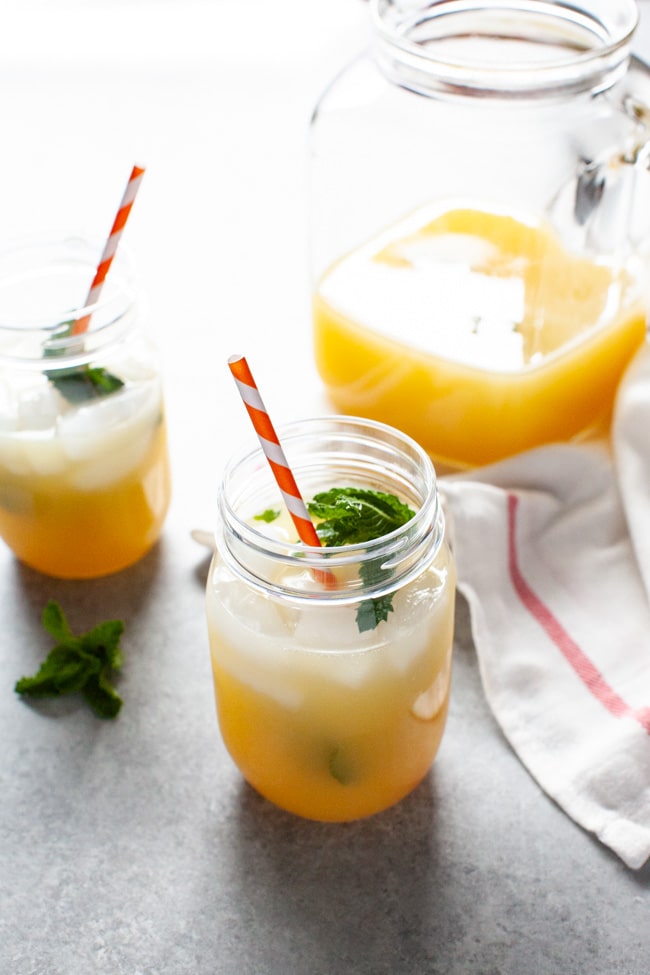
[84,384]
[271,514]
[372,612]
[78,664]
[64,671]
[80,383]
[104,642]
[349,516]
[55,623]
[102,697]
[103,380]
[341,767]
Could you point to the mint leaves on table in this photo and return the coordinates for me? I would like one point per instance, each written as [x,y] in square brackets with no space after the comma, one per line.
[350,516]
[81,664]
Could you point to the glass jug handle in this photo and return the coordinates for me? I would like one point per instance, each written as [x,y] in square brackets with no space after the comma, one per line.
[604,208]
[636,157]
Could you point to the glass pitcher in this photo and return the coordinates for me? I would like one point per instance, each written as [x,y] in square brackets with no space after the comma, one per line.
[480,216]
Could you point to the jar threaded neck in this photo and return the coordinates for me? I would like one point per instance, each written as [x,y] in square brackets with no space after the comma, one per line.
[512,48]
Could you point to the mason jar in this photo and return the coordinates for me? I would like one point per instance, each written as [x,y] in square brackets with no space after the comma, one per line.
[480,217]
[84,469]
[331,665]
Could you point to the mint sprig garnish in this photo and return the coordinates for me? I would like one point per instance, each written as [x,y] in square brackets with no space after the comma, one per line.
[372,612]
[80,383]
[83,664]
[85,383]
[352,516]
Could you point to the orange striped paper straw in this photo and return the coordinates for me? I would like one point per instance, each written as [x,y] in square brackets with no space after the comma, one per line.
[273,451]
[110,247]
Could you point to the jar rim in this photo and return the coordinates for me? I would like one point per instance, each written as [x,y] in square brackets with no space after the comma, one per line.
[592,43]
[37,274]
[424,530]
[46,251]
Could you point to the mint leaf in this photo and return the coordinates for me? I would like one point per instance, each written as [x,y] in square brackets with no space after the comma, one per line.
[372,612]
[349,516]
[271,514]
[63,669]
[83,384]
[103,381]
[103,699]
[104,642]
[340,766]
[55,622]
[78,664]
[80,383]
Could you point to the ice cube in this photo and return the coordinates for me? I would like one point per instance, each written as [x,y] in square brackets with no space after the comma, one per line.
[250,641]
[279,532]
[249,616]
[419,625]
[332,634]
[38,407]
[110,465]
[84,431]
[429,703]
[133,370]
[44,453]
[8,408]
[327,628]
[262,678]
[81,430]
[12,455]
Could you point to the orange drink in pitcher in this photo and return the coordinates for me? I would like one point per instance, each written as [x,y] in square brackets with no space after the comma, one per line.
[480,222]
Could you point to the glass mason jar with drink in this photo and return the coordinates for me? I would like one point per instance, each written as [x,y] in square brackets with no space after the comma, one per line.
[332,665]
[480,204]
[84,470]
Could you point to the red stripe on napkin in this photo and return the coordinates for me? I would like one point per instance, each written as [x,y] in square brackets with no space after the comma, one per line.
[573,654]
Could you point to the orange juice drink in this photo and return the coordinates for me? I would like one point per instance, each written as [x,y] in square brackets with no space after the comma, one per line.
[477,333]
[84,470]
[87,494]
[332,696]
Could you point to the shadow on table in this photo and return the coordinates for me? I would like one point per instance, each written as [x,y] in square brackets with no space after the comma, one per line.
[338,893]
[133,577]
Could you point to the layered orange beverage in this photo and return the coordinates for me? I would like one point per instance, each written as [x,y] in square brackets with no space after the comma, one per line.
[332,666]
[478,333]
[84,469]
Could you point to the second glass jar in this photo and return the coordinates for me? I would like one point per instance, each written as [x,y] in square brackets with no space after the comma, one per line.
[84,468]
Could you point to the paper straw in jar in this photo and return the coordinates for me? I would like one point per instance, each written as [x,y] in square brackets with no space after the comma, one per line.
[110,247]
[273,451]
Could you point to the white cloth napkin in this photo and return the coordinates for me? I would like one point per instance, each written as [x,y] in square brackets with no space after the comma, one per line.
[553,555]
